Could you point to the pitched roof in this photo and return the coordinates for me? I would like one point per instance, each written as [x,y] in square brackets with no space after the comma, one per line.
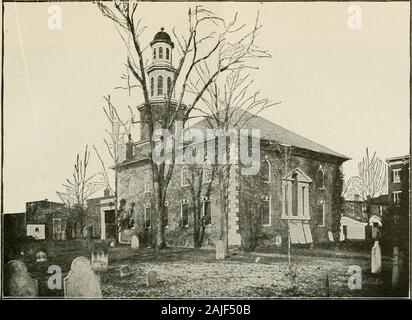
[269,131]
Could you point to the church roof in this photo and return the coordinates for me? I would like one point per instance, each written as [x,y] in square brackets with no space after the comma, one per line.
[270,131]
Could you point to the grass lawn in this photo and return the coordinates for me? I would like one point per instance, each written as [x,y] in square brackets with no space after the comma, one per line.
[184,272]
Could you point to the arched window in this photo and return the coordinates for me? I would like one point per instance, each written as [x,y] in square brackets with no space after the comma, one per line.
[169,85]
[265,171]
[147,183]
[320,179]
[160,86]
[160,53]
[167,53]
[152,86]
[154,53]
[184,176]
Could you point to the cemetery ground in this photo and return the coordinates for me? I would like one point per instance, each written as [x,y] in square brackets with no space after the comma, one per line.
[185,272]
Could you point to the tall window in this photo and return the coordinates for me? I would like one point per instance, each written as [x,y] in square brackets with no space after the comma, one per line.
[154,53]
[265,171]
[160,53]
[396,175]
[207,175]
[159,85]
[266,211]
[166,214]
[352,209]
[295,189]
[320,215]
[167,53]
[184,214]
[147,183]
[396,196]
[147,216]
[184,176]
[320,181]
[152,86]
[207,212]
[169,85]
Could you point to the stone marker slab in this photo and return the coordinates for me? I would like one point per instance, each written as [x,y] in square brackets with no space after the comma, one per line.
[376,261]
[125,271]
[17,281]
[41,257]
[220,250]
[151,278]
[100,261]
[134,242]
[82,282]
[330,236]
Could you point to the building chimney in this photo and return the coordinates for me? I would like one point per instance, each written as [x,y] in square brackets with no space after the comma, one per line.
[129,147]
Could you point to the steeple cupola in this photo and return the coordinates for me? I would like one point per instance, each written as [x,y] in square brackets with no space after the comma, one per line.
[161,71]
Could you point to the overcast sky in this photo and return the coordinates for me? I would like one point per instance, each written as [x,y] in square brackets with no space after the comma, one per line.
[345,89]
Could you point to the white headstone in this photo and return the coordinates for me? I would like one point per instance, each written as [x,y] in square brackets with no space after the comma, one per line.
[220,250]
[278,240]
[17,281]
[376,261]
[100,261]
[257,260]
[134,242]
[330,236]
[125,271]
[82,282]
[151,278]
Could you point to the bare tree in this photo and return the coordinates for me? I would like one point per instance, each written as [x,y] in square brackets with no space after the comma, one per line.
[206,45]
[78,189]
[229,106]
[370,182]
[118,134]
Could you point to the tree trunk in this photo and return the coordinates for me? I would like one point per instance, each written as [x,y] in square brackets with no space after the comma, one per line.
[196,218]
[159,241]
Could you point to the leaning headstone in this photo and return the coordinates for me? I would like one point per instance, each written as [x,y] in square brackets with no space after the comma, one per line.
[257,260]
[376,262]
[278,241]
[151,278]
[82,282]
[100,261]
[330,236]
[17,281]
[395,268]
[134,242]
[125,271]
[220,250]
[41,257]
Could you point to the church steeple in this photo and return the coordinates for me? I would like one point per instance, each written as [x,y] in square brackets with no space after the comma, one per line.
[161,71]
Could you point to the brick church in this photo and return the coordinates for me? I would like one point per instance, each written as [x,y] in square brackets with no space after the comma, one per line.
[298,193]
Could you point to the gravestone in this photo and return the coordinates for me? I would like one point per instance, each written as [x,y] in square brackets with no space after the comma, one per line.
[220,250]
[82,282]
[134,242]
[100,261]
[17,281]
[257,260]
[151,278]
[41,257]
[330,236]
[376,261]
[278,241]
[125,271]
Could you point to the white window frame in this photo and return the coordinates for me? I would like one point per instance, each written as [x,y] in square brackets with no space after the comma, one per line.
[147,180]
[181,213]
[303,209]
[352,208]
[269,171]
[398,196]
[396,174]
[322,203]
[322,187]
[209,175]
[184,170]
[269,200]
[203,209]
